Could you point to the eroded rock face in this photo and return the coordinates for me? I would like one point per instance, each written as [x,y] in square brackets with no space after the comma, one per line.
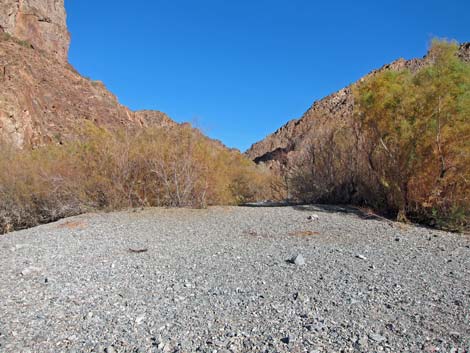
[464,52]
[154,118]
[42,23]
[279,150]
[43,100]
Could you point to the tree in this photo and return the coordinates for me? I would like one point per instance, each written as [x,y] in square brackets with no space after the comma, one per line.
[418,128]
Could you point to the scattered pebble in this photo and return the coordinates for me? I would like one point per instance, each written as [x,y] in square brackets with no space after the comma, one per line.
[205,286]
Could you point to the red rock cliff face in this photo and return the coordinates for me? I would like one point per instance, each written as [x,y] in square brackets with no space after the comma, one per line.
[42,98]
[42,23]
[279,150]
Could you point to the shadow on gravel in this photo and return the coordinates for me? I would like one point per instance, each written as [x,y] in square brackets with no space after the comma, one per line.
[363,214]
[339,209]
[270,204]
[320,209]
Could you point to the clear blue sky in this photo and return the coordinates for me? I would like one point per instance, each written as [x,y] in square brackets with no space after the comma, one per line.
[240,69]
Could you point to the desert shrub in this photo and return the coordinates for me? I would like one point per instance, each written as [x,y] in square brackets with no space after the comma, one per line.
[34,188]
[406,152]
[418,124]
[321,172]
[4,36]
[172,167]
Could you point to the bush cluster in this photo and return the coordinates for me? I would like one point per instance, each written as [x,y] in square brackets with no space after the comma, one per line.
[406,152]
[169,167]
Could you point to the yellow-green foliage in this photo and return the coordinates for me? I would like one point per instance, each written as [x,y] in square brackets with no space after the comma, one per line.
[418,129]
[176,167]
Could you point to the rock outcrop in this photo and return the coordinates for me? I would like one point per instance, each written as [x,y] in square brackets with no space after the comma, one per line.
[42,98]
[41,23]
[279,150]
[464,52]
[154,118]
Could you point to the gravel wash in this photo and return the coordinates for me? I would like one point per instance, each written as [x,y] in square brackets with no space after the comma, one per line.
[234,279]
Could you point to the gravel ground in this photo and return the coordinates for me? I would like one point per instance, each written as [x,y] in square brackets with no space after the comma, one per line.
[221,280]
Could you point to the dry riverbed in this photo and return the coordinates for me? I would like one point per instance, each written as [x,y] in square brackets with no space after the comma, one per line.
[222,280]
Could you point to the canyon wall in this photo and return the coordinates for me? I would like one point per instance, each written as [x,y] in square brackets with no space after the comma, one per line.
[41,23]
[279,150]
[42,98]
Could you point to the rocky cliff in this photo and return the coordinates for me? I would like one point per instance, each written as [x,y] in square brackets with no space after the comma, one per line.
[42,98]
[42,23]
[280,149]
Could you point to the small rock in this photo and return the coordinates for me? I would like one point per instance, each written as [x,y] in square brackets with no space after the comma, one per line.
[18,247]
[286,340]
[362,341]
[110,349]
[298,260]
[30,270]
[317,326]
[136,250]
[301,297]
[313,217]
[140,319]
[218,343]
[362,257]
[377,338]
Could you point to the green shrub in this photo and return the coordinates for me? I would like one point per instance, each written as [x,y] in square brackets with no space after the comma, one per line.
[418,124]
[406,151]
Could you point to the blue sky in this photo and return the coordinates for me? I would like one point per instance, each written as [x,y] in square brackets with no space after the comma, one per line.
[240,69]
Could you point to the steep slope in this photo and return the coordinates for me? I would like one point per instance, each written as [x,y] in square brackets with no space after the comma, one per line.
[42,23]
[280,149]
[42,98]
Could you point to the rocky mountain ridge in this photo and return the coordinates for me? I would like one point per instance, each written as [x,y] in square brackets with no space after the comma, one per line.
[279,149]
